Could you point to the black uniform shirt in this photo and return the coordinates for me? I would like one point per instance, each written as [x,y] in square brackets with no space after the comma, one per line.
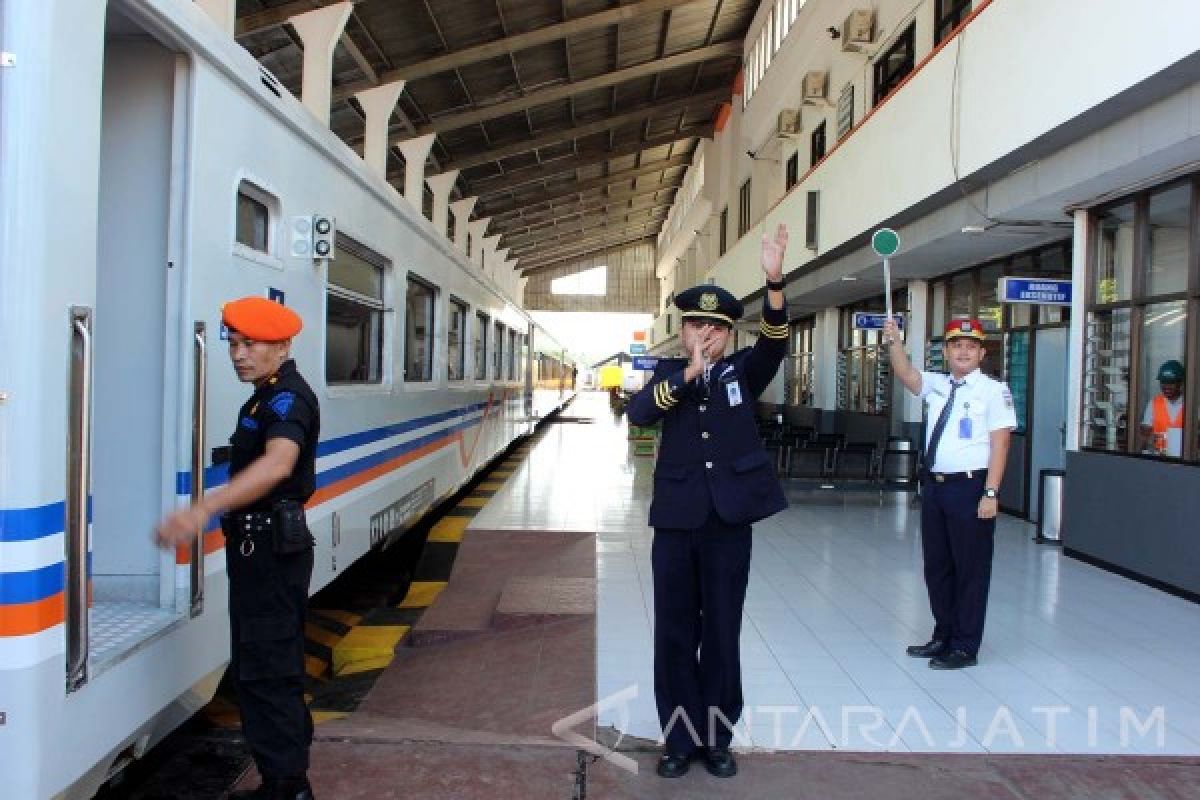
[284,406]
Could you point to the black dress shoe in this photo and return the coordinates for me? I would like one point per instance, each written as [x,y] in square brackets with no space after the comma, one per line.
[719,762]
[673,766]
[931,649]
[953,659]
[276,790]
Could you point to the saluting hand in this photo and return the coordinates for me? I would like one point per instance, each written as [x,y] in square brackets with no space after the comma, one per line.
[772,253]
[699,354]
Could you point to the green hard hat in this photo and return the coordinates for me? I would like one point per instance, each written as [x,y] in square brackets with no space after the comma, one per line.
[1170,372]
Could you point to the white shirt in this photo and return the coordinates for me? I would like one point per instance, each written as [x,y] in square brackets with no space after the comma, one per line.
[981,405]
[1174,435]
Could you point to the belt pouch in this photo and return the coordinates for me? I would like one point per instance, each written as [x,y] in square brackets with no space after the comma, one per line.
[289,529]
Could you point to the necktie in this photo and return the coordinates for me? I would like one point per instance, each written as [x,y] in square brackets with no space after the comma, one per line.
[940,425]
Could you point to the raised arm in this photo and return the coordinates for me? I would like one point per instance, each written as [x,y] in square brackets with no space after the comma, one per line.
[767,354]
[902,368]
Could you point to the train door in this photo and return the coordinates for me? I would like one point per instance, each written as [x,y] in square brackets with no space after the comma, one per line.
[134,447]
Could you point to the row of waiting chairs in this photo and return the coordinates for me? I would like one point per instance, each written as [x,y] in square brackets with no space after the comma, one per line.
[802,453]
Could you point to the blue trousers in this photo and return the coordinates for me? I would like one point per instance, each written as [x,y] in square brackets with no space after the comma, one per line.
[700,581]
[958,547]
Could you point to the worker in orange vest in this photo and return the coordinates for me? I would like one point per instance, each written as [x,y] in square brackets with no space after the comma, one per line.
[1162,424]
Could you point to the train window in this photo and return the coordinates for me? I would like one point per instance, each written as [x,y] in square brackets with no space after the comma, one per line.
[480,353]
[418,330]
[498,352]
[512,355]
[354,321]
[456,341]
[253,226]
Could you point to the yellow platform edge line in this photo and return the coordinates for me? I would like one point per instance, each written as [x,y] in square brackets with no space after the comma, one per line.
[448,529]
[421,594]
[367,642]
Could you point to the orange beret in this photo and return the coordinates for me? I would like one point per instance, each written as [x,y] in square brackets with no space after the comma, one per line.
[261,319]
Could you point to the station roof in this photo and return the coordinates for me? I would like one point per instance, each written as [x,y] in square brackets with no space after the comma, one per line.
[573,121]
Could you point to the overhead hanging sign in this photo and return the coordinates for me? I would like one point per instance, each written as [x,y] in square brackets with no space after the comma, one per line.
[647,363]
[1035,291]
[867,321]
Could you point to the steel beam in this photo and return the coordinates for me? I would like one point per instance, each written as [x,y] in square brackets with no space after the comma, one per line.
[520,41]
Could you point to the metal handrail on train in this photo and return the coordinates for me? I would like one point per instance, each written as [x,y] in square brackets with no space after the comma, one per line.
[199,392]
[79,464]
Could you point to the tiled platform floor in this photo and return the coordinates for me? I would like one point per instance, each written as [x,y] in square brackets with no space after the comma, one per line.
[1075,660]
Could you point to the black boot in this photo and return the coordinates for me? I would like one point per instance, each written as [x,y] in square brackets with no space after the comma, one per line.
[277,789]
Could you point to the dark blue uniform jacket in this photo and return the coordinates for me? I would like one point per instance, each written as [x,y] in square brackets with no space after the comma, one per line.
[710,455]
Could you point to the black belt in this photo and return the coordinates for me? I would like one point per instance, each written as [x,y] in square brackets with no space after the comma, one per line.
[947,477]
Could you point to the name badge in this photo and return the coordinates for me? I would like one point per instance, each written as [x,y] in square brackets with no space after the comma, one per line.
[734,393]
[964,428]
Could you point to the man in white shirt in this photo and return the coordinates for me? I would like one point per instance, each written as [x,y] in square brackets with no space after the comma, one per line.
[970,419]
[1162,423]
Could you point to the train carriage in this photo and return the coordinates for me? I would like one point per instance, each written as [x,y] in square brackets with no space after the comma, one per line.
[150,171]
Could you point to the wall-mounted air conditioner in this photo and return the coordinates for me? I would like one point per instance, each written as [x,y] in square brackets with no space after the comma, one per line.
[814,86]
[788,123]
[859,29]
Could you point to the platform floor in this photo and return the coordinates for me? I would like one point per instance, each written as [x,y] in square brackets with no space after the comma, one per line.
[1074,659]
[530,675]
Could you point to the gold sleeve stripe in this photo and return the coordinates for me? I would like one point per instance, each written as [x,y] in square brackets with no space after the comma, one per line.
[774,331]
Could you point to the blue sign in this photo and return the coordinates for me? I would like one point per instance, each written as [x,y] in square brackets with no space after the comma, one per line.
[645,362]
[637,349]
[866,321]
[1035,290]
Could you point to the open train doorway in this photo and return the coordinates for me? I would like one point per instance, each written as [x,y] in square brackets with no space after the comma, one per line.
[134,447]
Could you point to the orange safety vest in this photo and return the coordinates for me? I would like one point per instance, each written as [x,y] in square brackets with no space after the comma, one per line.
[1161,422]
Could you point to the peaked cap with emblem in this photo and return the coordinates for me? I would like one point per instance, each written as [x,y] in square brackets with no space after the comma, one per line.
[968,328]
[261,319]
[709,303]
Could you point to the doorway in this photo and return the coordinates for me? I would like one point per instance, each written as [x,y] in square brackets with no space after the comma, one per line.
[1048,416]
[132,453]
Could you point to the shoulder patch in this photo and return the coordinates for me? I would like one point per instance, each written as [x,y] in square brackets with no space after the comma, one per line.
[282,403]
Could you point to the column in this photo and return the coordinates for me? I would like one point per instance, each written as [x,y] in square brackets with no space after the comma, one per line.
[461,209]
[319,31]
[825,349]
[490,260]
[378,104]
[415,151]
[1076,333]
[910,407]
[477,229]
[441,185]
[223,12]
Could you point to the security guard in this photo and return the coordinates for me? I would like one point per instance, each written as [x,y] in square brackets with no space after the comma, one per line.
[1162,424]
[971,418]
[268,548]
[712,480]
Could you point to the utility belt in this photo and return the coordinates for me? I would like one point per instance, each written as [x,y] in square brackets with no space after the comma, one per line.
[950,477]
[284,529]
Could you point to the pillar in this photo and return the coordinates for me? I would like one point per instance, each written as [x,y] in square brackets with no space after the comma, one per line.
[378,104]
[461,209]
[222,12]
[319,30]
[415,151]
[441,185]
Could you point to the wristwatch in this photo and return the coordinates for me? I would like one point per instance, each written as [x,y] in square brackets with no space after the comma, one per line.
[775,285]
[989,492]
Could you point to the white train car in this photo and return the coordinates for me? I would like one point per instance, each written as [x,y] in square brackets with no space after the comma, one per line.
[149,171]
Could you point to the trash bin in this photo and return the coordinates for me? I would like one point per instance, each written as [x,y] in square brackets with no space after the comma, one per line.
[1050,501]
[899,461]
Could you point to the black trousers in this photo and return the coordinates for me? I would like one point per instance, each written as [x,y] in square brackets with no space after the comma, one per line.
[268,596]
[700,581]
[958,547]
